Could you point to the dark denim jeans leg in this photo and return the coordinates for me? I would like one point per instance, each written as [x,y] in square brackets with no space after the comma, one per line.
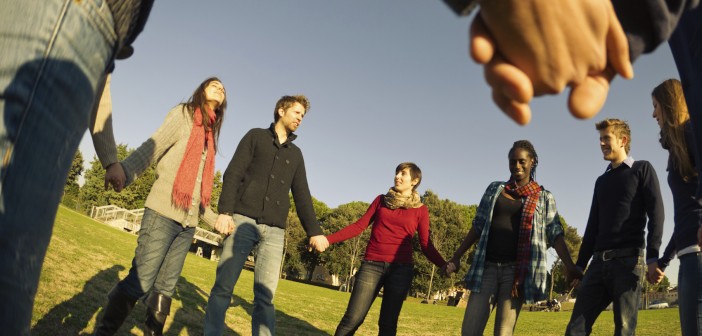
[396,285]
[160,254]
[615,281]
[690,293]
[368,282]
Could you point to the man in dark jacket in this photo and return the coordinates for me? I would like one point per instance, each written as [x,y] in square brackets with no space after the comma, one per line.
[253,210]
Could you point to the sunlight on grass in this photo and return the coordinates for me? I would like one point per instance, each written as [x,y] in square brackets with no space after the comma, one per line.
[86,259]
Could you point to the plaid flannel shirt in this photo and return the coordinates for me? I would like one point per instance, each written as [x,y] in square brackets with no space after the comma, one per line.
[547,226]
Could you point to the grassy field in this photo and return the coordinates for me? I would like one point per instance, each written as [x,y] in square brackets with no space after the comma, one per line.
[86,258]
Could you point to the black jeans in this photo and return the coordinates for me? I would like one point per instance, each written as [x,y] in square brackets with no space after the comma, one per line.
[394,278]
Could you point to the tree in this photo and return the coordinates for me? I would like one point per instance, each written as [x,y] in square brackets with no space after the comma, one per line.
[71,191]
[345,257]
[558,271]
[297,259]
[93,192]
[449,223]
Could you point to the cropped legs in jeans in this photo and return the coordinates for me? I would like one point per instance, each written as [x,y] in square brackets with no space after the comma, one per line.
[495,292]
[690,293]
[53,56]
[267,244]
[614,281]
[162,247]
[395,279]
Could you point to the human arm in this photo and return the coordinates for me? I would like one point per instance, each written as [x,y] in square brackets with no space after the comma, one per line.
[355,228]
[104,139]
[303,201]
[556,238]
[653,203]
[234,174]
[425,242]
[587,245]
[468,241]
[173,129]
[542,46]
[668,255]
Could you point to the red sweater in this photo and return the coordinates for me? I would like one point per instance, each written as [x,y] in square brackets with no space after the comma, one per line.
[392,232]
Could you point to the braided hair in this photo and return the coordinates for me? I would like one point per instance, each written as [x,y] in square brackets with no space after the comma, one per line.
[527,146]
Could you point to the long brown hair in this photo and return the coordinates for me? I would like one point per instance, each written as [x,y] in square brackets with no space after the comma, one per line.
[199,100]
[671,102]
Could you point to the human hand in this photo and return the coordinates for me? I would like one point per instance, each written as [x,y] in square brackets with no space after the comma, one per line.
[654,274]
[225,224]
[542,46]
[449,268]
[115,176]
[319,242]
[573,275]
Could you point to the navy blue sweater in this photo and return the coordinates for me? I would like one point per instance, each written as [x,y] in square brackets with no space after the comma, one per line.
[623,198]
[261,175]
[688,211]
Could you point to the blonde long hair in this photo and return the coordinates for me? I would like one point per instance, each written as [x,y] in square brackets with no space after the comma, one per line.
[671,102]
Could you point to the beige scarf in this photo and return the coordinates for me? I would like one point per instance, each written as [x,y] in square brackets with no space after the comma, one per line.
[394,200]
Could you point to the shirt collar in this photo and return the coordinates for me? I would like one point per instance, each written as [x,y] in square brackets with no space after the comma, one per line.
[629,161]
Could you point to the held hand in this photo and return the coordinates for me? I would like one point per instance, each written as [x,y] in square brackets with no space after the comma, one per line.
[115,176]
[449,268]
[225,224]
[320,243]
[542,46]
[654,274]
[573,275]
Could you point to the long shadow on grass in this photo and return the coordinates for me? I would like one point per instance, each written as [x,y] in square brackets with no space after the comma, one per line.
[190,316]
[73,315]
[285,324]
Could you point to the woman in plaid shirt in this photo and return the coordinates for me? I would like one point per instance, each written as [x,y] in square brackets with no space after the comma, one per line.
[515,223]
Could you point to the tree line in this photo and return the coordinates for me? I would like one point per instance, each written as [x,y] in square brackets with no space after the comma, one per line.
[449,220]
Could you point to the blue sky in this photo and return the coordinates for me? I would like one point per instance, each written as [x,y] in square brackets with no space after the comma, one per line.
[388,82]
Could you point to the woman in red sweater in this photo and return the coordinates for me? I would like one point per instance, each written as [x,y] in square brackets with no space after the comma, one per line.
[396,216]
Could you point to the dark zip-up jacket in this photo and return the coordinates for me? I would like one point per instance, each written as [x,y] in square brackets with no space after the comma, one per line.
[261,175]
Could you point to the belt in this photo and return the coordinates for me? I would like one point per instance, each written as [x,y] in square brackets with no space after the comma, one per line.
[617,253]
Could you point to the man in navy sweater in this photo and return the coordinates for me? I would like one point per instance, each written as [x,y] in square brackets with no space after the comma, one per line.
[253,209]
[625,195]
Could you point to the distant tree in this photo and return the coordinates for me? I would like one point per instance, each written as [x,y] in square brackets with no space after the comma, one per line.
[558,272]
[297,259]
[71,191]
[449,223]
[93,192]
[345,257]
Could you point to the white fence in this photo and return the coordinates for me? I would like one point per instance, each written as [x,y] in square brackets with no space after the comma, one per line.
[130,220]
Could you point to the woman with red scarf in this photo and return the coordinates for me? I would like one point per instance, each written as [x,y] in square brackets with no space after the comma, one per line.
[514,225]
[184,148]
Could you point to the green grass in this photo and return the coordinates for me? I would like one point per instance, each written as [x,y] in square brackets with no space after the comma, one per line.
[86,258]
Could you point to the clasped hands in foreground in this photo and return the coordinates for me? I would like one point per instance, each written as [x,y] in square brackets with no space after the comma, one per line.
[530,48]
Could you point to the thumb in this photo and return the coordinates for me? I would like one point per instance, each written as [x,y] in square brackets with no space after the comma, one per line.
[587,98]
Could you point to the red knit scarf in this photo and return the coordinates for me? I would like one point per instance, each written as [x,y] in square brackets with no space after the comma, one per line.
[184,183]
[530,191]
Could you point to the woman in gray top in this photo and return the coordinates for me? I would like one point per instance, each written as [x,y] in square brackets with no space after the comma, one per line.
[184,148]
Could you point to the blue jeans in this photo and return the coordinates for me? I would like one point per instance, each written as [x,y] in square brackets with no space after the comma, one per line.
[267,243]
[160,254]
[614,281]
[495,292]
[53,57]
[686,47]
[395,279]
[690,293]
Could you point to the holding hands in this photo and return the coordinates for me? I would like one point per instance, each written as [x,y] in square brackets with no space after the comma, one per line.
[535,47]
[225,224]
[654,274]
[115,176]
[449,268]
[319,243]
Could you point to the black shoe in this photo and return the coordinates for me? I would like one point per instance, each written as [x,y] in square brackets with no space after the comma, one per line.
[118,307]
[158,306]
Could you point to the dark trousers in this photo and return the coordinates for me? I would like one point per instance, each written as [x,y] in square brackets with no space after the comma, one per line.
[395,279]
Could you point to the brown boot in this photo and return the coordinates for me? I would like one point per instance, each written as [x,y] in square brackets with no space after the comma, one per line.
[158,306]
[119,305]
